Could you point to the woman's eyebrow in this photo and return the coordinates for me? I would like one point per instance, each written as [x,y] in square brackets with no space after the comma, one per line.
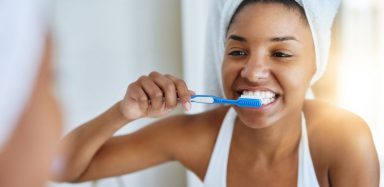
[274,39]
[237,38]
[283,38]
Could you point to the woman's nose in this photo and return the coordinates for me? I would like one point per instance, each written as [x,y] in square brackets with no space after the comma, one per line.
[256,71]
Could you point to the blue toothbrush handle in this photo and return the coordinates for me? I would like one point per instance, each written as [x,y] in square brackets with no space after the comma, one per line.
[224,101]
[241,102]
[218,100]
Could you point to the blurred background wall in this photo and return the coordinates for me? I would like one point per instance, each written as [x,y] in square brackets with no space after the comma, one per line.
[354,79]
[103,45]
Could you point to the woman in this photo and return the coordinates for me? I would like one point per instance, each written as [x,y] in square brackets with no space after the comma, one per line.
[270,52]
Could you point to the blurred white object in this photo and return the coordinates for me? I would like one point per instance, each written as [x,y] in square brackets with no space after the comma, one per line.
[22,36]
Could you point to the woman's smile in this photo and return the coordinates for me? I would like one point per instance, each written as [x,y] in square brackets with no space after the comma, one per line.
[267,96]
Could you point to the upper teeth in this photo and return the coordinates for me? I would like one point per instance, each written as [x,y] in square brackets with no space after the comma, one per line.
[266,96]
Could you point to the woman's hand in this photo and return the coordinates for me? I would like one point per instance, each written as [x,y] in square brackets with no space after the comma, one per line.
[154,95]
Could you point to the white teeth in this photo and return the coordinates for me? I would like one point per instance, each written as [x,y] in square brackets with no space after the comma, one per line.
[267,97]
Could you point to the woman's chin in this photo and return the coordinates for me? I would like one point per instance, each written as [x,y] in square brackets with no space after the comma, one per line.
[261,117]
[256,122]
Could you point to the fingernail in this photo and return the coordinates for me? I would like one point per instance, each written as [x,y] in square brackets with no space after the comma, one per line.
[187,106]
[192,92]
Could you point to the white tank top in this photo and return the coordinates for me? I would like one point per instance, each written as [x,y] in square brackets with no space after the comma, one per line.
[216,175]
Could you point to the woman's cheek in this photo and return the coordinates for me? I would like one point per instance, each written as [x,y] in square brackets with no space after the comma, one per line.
[229,74]
[296,80]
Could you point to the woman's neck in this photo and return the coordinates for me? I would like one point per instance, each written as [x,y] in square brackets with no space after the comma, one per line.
[274,142]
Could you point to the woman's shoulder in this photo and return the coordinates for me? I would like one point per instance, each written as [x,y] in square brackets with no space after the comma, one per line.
[335,132]
[324,116]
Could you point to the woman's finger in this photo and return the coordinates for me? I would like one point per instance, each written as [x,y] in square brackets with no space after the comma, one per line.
[153,91]
[136,92]
[168,88]
[182,92]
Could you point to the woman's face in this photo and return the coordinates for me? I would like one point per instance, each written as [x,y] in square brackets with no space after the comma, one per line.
[269,53]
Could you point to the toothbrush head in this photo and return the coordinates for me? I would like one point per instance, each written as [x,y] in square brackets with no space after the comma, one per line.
[249,103]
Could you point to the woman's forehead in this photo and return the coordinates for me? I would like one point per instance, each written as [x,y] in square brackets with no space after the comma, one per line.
[267,20]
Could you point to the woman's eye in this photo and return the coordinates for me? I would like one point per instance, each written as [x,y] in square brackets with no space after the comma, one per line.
[281,55]
[237,53]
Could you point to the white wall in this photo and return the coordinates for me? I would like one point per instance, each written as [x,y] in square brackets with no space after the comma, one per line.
[102,46]
[194,17]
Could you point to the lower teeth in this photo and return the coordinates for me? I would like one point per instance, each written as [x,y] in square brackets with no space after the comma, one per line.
[267,101]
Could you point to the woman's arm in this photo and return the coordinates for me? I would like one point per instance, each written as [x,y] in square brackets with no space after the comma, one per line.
[80,146]
[90,151]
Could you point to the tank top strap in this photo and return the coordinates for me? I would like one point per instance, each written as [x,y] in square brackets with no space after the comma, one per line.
[216,175]
[306,174]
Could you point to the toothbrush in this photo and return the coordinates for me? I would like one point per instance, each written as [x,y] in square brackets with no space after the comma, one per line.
[241,102]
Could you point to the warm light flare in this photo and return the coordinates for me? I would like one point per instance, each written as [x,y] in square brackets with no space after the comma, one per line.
[361,77]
